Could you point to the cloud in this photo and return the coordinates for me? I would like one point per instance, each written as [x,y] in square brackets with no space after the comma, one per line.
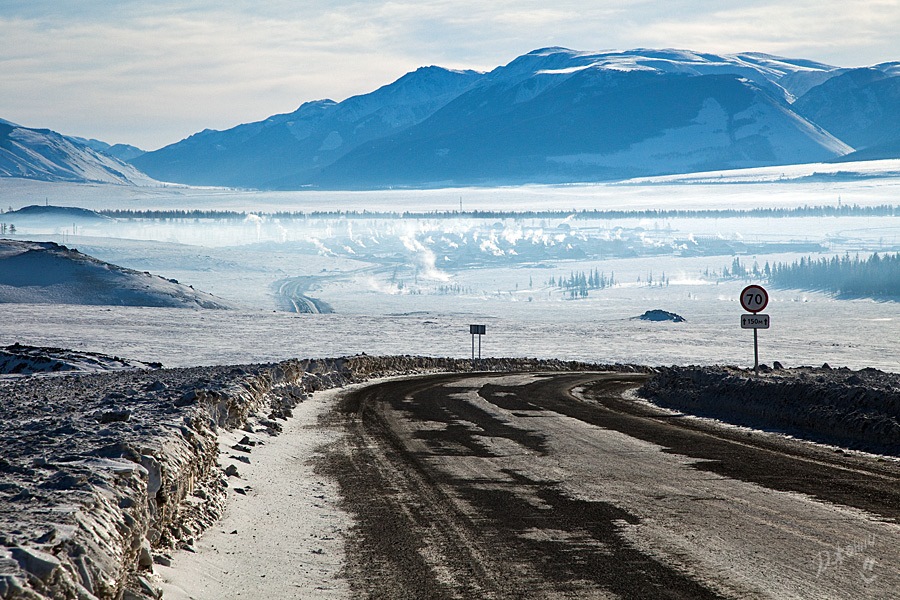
[836,32]
[174,74]
[153,73]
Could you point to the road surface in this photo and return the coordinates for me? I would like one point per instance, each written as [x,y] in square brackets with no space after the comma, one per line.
[565,486]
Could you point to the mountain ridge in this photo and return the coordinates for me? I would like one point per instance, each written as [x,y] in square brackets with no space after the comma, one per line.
[599,131]
[46,155]
[532,120]
[552,115]
[298,142]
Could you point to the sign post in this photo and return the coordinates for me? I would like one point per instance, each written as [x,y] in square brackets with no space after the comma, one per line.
[479,331]
[754,298]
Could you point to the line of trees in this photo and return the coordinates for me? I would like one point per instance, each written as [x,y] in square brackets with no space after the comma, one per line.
[884,210]
[661,281]
[739,270]
[846,276]
[174,214]
[10,229]
[579,284]
[453,289]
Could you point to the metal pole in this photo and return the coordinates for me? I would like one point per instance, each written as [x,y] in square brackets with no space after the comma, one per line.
[756,351]
[473,347]
[479,347]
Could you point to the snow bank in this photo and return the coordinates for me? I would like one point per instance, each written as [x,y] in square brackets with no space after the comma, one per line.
[853,409]
[102,474]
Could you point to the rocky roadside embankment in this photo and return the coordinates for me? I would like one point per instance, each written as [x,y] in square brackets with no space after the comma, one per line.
[852,409]
[31,360]
[103,474]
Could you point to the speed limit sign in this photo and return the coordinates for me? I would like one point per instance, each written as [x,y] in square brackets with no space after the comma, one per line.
[754,298]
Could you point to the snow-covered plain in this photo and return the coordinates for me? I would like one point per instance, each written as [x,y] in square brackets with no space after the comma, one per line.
[864,183]
[412,285]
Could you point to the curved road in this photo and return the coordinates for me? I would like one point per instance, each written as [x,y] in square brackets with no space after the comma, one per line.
[563,486]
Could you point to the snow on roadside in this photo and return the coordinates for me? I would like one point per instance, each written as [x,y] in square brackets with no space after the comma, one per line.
[103,475]
[851,409]
[280,513]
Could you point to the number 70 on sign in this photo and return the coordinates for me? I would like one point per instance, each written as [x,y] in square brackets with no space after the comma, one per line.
[754,298]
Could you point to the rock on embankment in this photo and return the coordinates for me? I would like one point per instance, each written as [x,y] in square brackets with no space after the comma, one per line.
[29,360]
[854,409]
[103,474]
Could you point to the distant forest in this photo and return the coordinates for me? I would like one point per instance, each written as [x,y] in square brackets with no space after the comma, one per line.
[876,277]
[884,210]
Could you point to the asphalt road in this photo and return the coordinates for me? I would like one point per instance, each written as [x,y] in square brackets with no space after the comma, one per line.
[564,486]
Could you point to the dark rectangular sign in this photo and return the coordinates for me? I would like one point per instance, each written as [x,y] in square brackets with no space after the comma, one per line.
[476,329]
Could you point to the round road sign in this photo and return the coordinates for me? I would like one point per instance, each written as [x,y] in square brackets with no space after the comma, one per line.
[754,298]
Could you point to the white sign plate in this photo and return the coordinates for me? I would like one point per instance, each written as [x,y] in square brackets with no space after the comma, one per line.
[755,321]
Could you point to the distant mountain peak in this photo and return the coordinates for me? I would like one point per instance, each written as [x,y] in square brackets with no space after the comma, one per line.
[46,155]
[551,50]
[317,104]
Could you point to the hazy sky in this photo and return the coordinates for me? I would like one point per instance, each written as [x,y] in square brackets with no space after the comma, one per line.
[152,73]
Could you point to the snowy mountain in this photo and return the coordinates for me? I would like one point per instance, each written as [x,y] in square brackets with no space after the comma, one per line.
[288,150]
[861,107]
[47,273]
[597,124]
[123,152]
[552,115]
[49,156]
[764,70]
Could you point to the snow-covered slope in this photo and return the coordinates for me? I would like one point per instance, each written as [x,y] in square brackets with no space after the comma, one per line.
[47,273]
[767,71]
[592,124]
[288,150]
[860,106]
[29,360]
[884,170]
[123,152]
[49,156]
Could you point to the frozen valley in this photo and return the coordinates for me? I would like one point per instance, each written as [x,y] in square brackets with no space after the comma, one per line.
[395,283]
[405,286]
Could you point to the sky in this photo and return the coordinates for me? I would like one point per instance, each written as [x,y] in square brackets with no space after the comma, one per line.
[152,73]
